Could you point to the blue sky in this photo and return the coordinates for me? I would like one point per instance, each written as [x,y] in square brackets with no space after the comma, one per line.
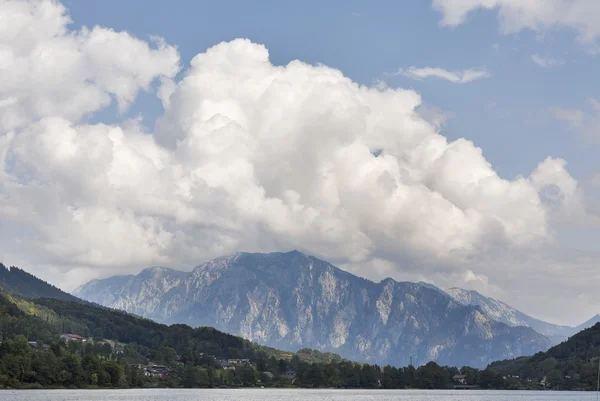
[234,153]
[508,114]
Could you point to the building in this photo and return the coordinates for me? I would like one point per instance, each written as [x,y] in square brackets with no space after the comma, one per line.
[460,379]
[225,365]
[156,371]
[113,344]
[72,337]
[268,375]
[238,361]
[289,375]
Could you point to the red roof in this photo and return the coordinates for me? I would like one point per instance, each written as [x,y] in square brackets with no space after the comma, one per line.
[75,336]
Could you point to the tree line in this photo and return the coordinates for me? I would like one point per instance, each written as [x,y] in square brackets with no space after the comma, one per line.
[74,364]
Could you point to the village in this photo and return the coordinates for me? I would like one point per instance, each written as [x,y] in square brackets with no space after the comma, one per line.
[158,371]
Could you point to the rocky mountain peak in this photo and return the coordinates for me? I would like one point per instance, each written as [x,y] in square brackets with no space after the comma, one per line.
[291,301]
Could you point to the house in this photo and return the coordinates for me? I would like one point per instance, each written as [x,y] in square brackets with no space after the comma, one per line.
[289,375]
[268,375]
[225,365]
[460,379]
[238,361]
[156,371]
[544,382]
[72,337]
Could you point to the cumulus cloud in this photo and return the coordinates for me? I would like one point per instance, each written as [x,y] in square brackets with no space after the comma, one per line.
[48,70]
[457,77]
[583,16]
[545,62]
[247,156]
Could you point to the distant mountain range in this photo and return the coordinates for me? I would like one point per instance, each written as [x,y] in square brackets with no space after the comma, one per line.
[504,313]
[292,301]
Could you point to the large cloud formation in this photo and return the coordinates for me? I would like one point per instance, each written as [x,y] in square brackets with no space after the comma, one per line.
[247,156]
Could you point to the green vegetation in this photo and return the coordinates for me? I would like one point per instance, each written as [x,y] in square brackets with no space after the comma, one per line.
[312,356]
[23,284]
[570,365]
[120,350]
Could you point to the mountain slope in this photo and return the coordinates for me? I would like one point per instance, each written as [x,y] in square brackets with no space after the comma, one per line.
[121,351]
[21,283]
[292,301]
[504,313]
[586,325]
[572,364]
[45,319]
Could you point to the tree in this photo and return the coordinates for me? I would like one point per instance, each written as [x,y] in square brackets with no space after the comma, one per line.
[246,375]
[369,377]
[165,355]
[72,364]
[432,376]
[115,371]
[195,377]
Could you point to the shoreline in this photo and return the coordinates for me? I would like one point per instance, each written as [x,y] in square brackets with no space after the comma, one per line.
[293,388]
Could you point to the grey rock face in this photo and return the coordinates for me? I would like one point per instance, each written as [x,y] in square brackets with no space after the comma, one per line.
[292,301]
[504,313]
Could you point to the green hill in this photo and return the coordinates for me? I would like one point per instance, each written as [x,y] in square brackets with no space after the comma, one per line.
[23,284]
[570,365]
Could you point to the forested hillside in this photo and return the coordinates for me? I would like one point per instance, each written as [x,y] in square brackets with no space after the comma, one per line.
[572,364]
[21,283]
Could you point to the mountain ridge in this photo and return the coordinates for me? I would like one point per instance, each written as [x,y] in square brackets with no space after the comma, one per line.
[292,300]
[505,313]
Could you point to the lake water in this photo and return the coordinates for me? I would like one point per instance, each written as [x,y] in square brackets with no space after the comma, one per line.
[289,395]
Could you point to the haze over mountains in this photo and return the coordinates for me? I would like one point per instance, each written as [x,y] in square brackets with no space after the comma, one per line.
[504,313]
[292,301]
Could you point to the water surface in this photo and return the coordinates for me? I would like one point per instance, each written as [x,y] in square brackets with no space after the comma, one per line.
[289,395]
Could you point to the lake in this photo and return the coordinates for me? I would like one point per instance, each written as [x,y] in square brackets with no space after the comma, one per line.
[289,395]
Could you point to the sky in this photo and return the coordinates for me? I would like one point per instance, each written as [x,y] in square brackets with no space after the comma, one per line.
[448,141]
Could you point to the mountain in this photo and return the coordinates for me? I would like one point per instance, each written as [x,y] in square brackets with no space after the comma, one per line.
[504,313]
[587,324]
[111,346]
[114,349]
[292,301]
[21,283]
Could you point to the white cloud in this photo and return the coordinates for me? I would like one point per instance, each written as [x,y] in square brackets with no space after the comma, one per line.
[247,156]
[583,16]
[457,77]
[48,70]
[545,62]
[585,123]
